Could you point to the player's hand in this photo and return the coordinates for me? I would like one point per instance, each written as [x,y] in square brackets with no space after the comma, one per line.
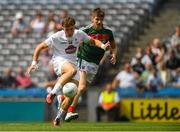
[32,68]
[105,46]
[113,59]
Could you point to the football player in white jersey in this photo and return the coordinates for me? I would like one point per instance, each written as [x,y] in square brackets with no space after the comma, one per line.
[90,56]
[63,45]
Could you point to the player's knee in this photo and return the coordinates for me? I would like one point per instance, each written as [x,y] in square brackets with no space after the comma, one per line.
[73,71]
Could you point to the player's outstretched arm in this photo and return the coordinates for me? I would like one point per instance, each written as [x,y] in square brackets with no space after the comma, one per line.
[37,51]
[98,43]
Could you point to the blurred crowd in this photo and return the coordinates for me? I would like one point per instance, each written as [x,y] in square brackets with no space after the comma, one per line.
[150,69]
[39,24]
[17,79]
[154,68]
[42,25]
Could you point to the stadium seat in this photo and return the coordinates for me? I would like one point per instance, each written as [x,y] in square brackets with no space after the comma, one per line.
[122,16]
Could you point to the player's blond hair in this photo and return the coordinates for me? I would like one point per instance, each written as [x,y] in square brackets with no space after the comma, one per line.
[68,22]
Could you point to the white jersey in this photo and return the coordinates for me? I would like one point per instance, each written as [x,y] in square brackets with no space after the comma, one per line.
[127,80]
[63,47]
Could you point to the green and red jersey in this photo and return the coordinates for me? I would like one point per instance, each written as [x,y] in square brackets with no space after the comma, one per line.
[92,53]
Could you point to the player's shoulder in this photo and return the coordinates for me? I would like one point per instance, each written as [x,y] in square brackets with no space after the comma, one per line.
[78,32]
[86,27]
[107,28]
[58,34]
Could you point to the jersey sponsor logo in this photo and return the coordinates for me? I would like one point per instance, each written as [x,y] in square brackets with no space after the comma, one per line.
[100,37]
[70,49]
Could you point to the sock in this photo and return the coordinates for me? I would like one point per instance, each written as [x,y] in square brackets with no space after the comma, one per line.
[70,109]
[56,88]
[61,113]
[62,98]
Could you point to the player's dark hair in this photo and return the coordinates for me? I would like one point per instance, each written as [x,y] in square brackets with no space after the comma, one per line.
[68,21]
[97,12]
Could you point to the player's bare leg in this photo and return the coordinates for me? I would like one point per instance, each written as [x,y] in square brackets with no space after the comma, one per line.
[63,104]
[68,71]
[82,87]
[62,111]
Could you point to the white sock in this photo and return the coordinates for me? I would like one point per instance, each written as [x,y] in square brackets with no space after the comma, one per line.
[59,101]
[61,113]
[56,88]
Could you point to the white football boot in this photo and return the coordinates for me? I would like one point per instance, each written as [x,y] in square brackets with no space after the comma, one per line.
[71,116]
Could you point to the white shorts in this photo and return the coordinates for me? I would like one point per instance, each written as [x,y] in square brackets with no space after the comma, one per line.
[89,67]
[58,63]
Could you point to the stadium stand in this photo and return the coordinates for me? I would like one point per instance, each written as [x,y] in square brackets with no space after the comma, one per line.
[127,19]
[124,17]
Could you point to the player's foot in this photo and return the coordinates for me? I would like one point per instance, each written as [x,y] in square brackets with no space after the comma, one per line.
[56,122]
[71,116]
[49,98]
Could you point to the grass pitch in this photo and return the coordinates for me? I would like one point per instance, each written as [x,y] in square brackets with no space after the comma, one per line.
[90,127]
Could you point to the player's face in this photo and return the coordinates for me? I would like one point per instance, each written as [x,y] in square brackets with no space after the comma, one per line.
[97,22]
[69,31]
